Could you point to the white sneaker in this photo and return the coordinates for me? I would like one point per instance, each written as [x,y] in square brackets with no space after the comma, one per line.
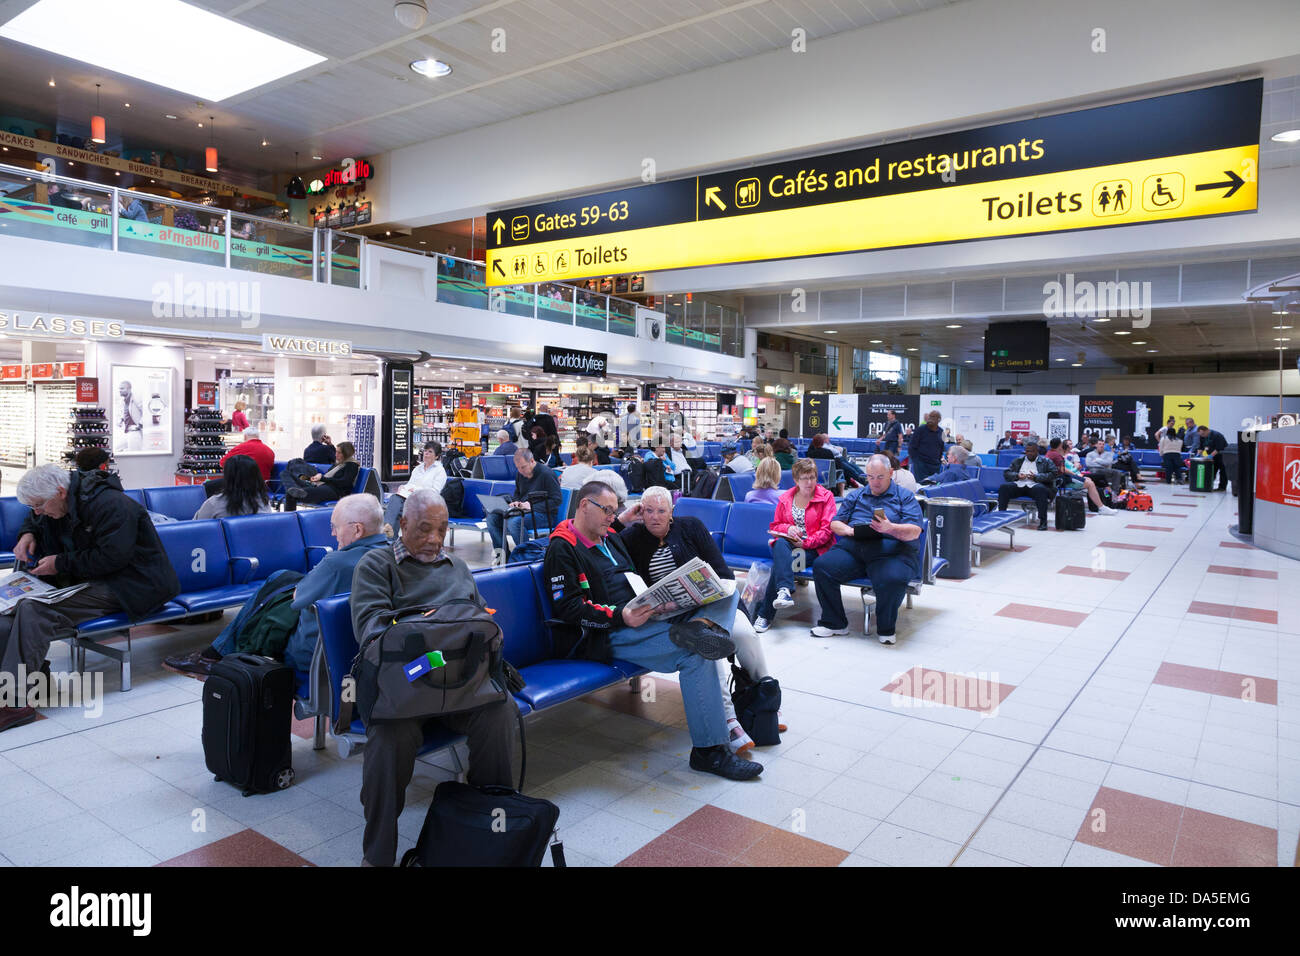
[885,638]
[1106,511]
[820,631]
[783,599]
[498,557]
[761,624]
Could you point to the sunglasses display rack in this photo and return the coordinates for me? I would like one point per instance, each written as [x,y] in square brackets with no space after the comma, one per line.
[205,444]
[87,428]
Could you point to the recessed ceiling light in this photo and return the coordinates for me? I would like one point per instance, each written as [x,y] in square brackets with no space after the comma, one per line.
[1286,136]
[1122,332]
[1076,365]
[431,68]
[170,115]
[200,126]
[1281,340]
[876,341]
[317,158]
[1060,360]
[911,349]
[832,331]
[1153,350]
[51,81]
[942,355]
[126,105]
[954,326]
[1103,319]
[968,361]
[226,57]
[1281,327]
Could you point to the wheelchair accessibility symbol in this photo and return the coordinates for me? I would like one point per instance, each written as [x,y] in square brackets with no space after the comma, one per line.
[1163,191]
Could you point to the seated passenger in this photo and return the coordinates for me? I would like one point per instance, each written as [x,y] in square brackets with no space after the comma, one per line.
[507,447]
[429,473]
[586,573]
[254,448]
[783,452]
[243,491]
[331,486]
[658,543]
[954,468]
[1033,475]
[356,523]
[820,447]
[880,548]
[734,463]
[81,529]
[1077,479]
[552,452]
[321,450]
[414,572]
[767,476]
[1100,465]
[903,477]
[801,530]
[530,477]
[582,471]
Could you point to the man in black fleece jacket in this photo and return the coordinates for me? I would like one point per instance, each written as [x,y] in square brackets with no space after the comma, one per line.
[586,571]
[82,529]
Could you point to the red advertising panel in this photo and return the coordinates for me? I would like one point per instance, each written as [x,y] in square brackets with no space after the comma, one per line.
[206,393]
[73,369]
[1277,473]
[87,391]
[8,372]
[43,370]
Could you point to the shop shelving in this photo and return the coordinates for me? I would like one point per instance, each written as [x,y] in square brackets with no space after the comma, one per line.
[87,428]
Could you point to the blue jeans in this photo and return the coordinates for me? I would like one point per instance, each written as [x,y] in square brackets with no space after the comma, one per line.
[1173,467]
[890,574]
[514,526]
[393,512]
[226,640]
[649,646]
[852,470]
[782,574]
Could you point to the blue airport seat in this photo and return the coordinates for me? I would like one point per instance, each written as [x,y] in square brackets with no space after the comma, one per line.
[198,552]
[178,501]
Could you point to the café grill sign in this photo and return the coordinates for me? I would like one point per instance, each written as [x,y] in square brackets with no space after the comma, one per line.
[573,362]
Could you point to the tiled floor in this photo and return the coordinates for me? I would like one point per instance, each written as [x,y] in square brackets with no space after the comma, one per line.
[1124,695]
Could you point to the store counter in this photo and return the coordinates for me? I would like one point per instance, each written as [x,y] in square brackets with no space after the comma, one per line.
[1277,491]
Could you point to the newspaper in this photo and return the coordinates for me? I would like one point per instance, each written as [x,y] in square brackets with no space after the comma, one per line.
[20,585]
[693,584]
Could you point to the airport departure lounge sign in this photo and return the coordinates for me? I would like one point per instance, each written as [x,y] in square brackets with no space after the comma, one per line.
[1171,157]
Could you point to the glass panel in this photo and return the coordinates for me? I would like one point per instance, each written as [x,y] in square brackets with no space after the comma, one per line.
[461,283]
[270,248]
[591,309]
[676,323]
[345,260]
[622,317]
[173,231]
[518,300]
[555,303]
[712,328]
[57,212]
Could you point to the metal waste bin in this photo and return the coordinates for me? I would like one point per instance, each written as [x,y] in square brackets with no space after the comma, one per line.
[1202,474]
[950,527]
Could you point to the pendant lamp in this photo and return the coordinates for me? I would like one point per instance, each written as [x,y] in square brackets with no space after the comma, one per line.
[97,125]
[296,189]
[211,152]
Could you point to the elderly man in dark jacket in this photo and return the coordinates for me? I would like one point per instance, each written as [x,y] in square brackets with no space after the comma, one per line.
[82,530]
[1031,474]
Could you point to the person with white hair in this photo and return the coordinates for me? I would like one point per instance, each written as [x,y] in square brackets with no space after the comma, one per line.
[82,529]
[415,572]
[254,448]
[659,543]
[583,470]
[505,446]
[321,449]
[429,473]
[356,524]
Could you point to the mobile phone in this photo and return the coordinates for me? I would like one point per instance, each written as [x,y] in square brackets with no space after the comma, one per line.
[879,514]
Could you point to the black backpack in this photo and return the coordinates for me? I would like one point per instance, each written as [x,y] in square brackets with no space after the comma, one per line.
[453,492]
[757,704]
[706,482]
[654,476]
[635,474]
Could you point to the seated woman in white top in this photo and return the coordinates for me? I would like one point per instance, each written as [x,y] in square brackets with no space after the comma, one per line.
[429,473]
[244,492]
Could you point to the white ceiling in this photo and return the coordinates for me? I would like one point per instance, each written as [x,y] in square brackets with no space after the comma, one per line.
[364,99]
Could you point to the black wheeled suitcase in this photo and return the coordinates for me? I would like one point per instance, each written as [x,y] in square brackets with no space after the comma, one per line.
[1071,515]
[485,826]
[247,712]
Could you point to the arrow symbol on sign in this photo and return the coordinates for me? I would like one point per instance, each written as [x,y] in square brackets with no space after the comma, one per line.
[496,267]
[1187,405]
[1233,183]
[712,195]
[839,422]
[497,227]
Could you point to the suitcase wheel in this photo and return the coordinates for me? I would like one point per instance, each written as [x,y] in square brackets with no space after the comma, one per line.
[410,858]
[284,778]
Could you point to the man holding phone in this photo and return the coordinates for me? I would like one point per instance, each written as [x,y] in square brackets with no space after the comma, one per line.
[878,526]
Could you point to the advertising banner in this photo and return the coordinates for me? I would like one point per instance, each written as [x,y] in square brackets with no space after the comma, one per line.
[1186,406]
[843,416]
[873,409]
[206,393]
[1277,473]
[1135,416]
[985,419]
[87,391]
[142,410]
[398,380]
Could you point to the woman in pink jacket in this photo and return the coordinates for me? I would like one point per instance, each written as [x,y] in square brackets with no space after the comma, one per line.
[802,526]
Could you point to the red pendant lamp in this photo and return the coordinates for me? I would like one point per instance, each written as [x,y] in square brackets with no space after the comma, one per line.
[211,152]
[97,125]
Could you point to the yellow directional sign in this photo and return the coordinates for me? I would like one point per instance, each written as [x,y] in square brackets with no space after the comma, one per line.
[1181,407]
[1173,157]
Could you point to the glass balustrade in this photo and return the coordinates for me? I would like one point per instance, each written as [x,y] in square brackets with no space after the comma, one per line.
[36,205]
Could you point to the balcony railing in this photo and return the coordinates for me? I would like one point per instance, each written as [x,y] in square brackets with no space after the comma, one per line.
[63,209]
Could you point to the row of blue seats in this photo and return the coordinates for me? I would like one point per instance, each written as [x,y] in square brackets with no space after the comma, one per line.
[220,564]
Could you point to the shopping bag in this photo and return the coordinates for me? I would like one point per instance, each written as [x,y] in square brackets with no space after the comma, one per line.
[755,587]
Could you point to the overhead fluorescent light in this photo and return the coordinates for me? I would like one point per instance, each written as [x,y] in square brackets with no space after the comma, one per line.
[431,68]
[1286,136]
[223,58]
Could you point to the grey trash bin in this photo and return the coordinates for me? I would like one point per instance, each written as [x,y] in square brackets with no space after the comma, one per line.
[950,526]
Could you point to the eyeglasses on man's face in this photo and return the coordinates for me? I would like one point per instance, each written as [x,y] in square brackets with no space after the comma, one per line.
[608,510]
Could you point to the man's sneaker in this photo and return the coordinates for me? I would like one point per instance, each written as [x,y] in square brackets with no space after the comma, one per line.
[783,599]
[17,716]
[885,638]
[704,637]
[820,631]
[1107,511]
[1042,525]
[195,665]
[724,763]
[738,740]
[761,624]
